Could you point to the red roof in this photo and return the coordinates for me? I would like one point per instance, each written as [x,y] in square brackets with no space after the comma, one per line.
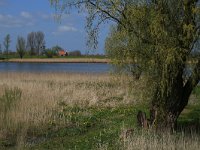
[61,52]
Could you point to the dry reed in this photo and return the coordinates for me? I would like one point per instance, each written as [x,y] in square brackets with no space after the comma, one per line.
[42,93]
[59,60]
[164,141]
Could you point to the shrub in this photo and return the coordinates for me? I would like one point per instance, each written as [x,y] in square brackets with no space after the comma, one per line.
[9,99]
[49,53]
[75,53]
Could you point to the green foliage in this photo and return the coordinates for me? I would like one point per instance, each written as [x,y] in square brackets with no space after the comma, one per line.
[50,53]
[75,53]
[159,39]
[56,48]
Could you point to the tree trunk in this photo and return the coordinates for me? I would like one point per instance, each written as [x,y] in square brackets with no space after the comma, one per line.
[166,107]
[161,120]
[165,117]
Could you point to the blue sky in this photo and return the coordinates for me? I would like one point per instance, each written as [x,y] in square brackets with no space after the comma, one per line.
[20,17]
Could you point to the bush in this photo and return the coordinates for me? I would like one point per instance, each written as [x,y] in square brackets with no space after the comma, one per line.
[75,53]
[8,100]
[50,53]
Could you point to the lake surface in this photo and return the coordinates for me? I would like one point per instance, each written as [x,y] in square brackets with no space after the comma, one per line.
[55,67]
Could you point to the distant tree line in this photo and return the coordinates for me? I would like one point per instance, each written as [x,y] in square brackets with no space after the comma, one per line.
[33,45]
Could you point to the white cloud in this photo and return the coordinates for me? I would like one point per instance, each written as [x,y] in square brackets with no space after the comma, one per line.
[65,28]
[25,18]
[26,15]
[44,16]
[10,21]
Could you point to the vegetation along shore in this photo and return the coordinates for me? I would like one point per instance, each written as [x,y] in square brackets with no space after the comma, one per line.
[58,60]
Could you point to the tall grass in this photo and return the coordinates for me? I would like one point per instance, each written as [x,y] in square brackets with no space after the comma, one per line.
[33,100]
[147,140]
[61,60]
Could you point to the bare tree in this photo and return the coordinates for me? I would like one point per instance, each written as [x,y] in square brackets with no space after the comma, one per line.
[6,44]
[35,42]
[21,46]
[39,41]
[31,44]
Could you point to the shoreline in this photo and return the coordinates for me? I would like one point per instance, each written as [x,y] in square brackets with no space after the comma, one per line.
[57,60]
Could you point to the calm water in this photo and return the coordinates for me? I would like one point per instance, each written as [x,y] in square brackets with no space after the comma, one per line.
[55,67]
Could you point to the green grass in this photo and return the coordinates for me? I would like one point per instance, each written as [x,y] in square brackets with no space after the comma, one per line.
[190,117]
[196,92]
[89,128]
[4,57]
[84,128]
[189,120]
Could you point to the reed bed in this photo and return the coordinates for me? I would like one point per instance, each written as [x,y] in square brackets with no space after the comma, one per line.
[147,140]
[42,93]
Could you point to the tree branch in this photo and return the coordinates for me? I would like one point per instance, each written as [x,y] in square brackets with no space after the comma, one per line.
[106,12]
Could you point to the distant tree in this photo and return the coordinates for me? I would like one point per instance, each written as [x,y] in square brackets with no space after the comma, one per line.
[21,46]
[75,53]
[35,42]
[31,43]
[39,42]
[6,44]
[50,53]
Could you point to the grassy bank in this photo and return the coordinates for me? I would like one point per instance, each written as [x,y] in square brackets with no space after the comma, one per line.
[80,111]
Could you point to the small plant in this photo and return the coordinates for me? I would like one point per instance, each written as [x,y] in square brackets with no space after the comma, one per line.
[9,99]
[8,102]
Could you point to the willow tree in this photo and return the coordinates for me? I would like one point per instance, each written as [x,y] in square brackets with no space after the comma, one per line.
[159,36]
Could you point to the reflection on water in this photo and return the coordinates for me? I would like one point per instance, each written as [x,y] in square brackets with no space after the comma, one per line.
[55,67]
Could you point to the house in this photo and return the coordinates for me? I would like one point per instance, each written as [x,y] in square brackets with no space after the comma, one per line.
[62,53]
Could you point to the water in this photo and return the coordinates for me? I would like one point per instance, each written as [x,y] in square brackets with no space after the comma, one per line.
[55,67]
